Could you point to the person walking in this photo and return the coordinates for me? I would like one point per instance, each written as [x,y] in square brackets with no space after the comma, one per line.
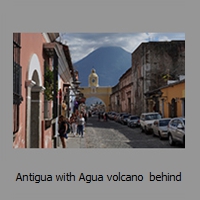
[63,127]
[73,121]
[99,116]
[81,123]
[77,118]
[85,117]
[106,116]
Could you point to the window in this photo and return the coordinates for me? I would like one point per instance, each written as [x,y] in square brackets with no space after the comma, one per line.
[17,76]
[152,117]
[183,107]
[174,123]
[123,95]
[163,122]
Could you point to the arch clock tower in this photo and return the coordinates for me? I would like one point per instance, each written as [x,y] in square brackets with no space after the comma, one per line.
[93,80]
[94,90]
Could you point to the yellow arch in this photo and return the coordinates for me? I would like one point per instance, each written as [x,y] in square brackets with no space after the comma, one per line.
[102,93]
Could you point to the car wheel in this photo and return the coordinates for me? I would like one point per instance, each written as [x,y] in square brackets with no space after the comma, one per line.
[171,141]
[154,135]
[142,129]
[160,137]
[184,141]
[145,130]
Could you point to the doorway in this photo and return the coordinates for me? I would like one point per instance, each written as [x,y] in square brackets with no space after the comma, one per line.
[35,113]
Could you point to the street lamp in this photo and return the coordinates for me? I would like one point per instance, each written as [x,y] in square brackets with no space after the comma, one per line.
[76,84]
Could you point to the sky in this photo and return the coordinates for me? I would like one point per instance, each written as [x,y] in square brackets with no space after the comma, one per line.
[81,44]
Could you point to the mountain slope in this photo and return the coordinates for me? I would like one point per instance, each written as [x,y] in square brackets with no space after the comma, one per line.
[109,62]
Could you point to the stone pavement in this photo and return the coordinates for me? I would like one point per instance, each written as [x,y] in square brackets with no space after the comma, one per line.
[101,134]
[76,142]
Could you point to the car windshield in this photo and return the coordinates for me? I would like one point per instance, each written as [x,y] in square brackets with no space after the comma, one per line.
[134,117]
[164,122]
[152,117]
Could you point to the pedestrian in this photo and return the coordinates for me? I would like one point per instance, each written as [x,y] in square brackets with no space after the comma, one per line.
[73,121]
[106,116]
[89,114]
[64,108]
[85,117]
[99,116]
[103,116]
[63,127]
[81,123]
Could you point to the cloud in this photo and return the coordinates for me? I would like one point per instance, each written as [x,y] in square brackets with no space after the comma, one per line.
[81,44]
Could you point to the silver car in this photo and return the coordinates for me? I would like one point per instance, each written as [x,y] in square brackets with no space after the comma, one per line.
[147,119]
[160,127]
[133,121]
[176,130]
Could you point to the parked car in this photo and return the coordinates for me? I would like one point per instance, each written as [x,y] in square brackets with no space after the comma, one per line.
[117,117]
[124,118]
[133,121]
[160,127]
[112,116]
[176,130]
[147,119]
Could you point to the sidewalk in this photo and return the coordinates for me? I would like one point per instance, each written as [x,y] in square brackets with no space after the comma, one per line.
[76,142]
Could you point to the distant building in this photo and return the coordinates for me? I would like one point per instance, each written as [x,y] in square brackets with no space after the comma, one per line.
[125,91]
[115,104]
[153,65]
[151,62]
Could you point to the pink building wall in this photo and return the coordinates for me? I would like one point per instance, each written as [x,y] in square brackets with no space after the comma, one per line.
[31,43]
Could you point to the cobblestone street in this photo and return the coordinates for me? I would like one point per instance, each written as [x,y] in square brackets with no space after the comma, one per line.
[101,134]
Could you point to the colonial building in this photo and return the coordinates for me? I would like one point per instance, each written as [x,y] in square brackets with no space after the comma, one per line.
[115,104]
[39,62]
[64,78]
[125,90]
[169,99]
[172,101]
[152,62]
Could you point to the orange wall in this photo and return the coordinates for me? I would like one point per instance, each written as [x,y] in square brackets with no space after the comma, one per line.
[175,91]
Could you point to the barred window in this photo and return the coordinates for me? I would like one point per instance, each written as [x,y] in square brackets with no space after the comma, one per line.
[16,83]
[17,98]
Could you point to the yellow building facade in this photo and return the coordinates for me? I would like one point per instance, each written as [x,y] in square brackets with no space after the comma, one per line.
[172,101]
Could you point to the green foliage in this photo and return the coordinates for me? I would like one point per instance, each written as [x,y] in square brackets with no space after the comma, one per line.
[49,83]
[166,77]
